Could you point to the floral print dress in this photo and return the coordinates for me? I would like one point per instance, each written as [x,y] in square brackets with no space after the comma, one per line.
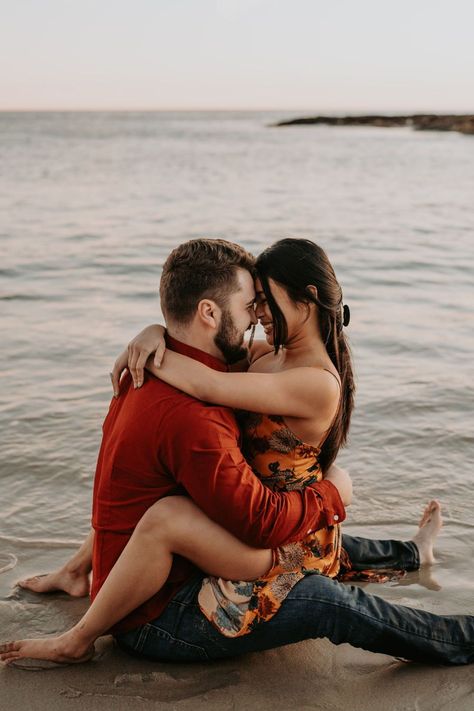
[284,463]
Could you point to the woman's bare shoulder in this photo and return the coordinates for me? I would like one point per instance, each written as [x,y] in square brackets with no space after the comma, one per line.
[259,349]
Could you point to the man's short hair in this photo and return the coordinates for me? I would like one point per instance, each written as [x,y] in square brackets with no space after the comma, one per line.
[201,269]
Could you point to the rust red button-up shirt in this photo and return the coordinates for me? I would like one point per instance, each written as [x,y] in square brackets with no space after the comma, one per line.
[158,441]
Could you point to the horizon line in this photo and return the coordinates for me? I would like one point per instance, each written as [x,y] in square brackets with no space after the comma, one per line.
[231,110]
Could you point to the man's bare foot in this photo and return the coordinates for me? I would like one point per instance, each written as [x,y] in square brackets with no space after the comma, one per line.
[68,648]
[73,582]
[428,529]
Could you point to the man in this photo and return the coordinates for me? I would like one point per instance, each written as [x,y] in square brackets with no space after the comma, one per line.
[158,441]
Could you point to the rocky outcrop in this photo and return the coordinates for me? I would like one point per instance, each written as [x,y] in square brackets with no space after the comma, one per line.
[463,123]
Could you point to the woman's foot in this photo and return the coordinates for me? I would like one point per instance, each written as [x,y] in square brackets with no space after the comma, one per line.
[428,529]
[72,581]
[68,648]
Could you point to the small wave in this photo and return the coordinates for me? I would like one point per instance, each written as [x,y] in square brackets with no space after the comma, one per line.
[36,543]
[83,237]
[20,297]
[7,562]
[139,295]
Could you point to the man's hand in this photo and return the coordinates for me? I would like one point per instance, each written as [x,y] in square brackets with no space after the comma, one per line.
[342,481]
[134,357]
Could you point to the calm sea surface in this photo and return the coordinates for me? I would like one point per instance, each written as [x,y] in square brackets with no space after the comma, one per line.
[91,204]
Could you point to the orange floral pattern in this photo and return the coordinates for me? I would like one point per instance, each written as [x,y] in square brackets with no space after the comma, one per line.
[284,463]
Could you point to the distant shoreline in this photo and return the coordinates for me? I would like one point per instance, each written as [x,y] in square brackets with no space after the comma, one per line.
[462,123]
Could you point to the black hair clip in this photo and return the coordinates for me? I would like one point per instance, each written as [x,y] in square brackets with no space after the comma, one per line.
[346,315]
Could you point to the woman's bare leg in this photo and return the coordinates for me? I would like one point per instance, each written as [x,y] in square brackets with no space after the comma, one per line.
[172,525]
[72,577]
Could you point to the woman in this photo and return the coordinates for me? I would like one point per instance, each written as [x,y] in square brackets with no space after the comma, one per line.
[302,373]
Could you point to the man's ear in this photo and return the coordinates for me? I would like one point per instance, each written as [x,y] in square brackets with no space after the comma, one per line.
[209,313]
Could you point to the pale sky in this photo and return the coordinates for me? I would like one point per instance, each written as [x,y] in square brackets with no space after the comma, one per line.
[311,55]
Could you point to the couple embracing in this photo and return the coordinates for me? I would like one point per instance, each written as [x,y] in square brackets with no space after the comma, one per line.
[217,506]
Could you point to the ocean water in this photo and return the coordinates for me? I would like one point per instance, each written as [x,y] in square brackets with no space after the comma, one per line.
[91,204]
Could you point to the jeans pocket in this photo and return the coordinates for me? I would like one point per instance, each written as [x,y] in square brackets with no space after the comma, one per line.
[156,643]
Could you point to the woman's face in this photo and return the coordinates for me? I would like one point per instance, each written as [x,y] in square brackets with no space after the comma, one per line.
[295,314]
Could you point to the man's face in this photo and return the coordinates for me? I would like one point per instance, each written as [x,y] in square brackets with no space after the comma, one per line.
[237,317]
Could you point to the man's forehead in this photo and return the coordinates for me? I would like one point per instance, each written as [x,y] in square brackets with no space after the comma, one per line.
[246,284]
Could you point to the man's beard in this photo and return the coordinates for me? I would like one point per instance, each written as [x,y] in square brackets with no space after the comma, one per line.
[228,339]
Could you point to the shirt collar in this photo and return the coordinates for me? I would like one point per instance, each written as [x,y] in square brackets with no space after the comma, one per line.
[196,354]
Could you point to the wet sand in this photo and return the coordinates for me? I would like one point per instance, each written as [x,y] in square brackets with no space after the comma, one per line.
[309,675]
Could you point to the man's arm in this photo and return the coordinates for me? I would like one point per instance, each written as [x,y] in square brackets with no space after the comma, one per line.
[202,452]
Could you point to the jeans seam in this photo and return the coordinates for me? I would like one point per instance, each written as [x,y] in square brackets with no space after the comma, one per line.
[164,634]
[209,637]
[141,638]
[183,604]
[387,624]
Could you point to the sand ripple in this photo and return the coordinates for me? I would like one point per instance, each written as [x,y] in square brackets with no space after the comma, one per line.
[7,561]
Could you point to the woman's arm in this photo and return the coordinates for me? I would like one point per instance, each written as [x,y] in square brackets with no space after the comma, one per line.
[152,341]
[298,392]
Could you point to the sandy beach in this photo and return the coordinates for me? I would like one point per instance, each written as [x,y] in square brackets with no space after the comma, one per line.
[309,675]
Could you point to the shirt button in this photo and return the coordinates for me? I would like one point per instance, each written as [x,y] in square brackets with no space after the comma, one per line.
[308,532]
[336,517]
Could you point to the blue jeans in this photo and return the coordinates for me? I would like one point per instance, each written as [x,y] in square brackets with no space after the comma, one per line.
[316,607]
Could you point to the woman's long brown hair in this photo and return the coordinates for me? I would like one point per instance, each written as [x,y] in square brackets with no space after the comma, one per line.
[296,264]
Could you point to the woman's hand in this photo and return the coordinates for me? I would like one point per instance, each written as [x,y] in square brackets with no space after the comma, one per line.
[134,357]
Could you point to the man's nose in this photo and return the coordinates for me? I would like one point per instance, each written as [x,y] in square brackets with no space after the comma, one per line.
[254,318]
